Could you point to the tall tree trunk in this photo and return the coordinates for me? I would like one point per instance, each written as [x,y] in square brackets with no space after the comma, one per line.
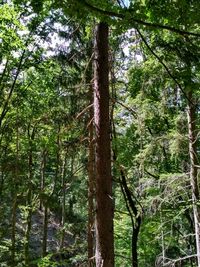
[42,177]
[13,231]
[29,198]
[45,229]
[14,193]
[63,219]
[193,169]
[58,154]
[44,204]
[91,188]
[104,201]
[14,204]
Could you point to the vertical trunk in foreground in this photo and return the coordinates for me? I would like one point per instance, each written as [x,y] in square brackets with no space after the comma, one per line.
[193,170]
[91,187]
[104,202]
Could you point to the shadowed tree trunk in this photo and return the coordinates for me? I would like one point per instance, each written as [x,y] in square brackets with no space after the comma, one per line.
[104,201]
[45,230]
[64,172]
[29,198]
[44,204]
[42,176]
[58,163]
[14,205]
[136,217]
[192,134]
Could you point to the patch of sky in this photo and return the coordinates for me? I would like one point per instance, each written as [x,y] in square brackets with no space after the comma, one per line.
[127,3]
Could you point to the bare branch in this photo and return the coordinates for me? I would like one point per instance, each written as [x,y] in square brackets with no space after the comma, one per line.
[133,112]
[171,261]
[121,256]
[83,111]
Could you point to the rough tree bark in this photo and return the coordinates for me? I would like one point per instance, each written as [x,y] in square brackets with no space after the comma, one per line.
[104,201]
[91,187]
[192,135]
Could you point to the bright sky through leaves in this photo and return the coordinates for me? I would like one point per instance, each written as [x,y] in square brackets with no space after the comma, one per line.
[126,2]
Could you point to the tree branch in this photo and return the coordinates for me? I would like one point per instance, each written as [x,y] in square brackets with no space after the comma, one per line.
[131,110]
[178,260]
[5,107]
[132,21]
[165,67]
[152,175]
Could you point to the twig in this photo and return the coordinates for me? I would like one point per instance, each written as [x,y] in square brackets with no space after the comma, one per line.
[121,256]
[83,111]
[126,107]
[87,65]
[180,259]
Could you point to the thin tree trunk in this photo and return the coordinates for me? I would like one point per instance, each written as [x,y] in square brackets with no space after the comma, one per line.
[131,205]
[29,198]
[91,188]
[134,243]
[45,230]
[2,184]
[135,215]
[63,219]
[193,170]
[13,231]
[14,196]
[7,101]
[44,204]
[104,201]
[57,172]
[42,177]
[28,226]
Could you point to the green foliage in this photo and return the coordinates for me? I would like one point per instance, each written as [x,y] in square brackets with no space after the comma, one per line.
[9,30]
[43,132]
[123,232]
[46,262]
[149,245]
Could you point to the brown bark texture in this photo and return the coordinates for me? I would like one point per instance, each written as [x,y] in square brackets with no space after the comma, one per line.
[104,201]
[91,187]
[192,134]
